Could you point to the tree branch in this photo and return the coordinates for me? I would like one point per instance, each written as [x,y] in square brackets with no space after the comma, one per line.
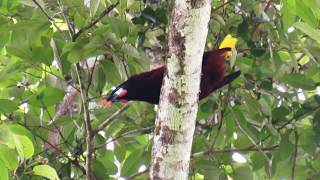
[248,149]
[69,24]
[74,162]
[138,174]
[94,22]
[106,122]
[43,11]
[294,158]
[221,6]
[123,135]
[50,18]
[91,75]
[89,131]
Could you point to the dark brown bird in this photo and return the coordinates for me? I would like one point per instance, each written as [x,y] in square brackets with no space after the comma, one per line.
[146,86]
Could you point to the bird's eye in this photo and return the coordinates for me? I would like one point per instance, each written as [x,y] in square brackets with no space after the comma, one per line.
[121,92]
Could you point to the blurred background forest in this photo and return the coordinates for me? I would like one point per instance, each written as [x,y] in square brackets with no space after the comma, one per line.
[57,57]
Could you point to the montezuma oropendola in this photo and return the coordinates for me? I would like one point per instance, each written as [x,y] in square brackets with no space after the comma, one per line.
[146,86]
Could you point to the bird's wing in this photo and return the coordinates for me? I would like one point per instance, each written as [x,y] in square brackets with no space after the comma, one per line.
[228,79]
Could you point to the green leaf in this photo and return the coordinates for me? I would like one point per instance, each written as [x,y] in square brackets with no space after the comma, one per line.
[9,157]
[251,103]
[94,5]
[258,161]
[243,173]
[305,13]
[234,21]
[298,81]
[45,171]
[308,30]
[265,107]
[107,160]
[27,145]
[121,28]
[4,175]
[140,39]
[133,162]
[8,106]
[110,71]
[48,97]
[99,169]
[288,12]
[279,113]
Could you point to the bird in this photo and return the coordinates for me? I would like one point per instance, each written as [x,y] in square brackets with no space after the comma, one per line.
[146,86]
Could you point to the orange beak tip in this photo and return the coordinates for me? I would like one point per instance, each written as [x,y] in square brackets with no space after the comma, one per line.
[105,103]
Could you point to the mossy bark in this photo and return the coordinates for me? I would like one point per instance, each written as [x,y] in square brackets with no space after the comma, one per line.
[175,122]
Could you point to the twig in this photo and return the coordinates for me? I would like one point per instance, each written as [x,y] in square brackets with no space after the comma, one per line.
[75,162]
[221,6]
[248,149]
[221,118]
[89,131]
[56,127]
[43,11]
[296,135]
[94,22]
[138,174]
[69,24]
[50,18]
[123,135]
[106,122]
[269,3]
[91,75]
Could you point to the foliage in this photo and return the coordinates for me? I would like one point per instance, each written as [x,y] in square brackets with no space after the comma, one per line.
[271,115]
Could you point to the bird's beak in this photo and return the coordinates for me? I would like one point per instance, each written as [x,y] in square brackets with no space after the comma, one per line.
[105,103]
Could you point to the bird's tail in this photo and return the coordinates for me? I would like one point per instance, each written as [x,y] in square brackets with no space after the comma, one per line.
[228,79]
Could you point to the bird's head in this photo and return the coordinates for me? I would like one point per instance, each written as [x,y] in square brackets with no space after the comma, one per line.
[118,94]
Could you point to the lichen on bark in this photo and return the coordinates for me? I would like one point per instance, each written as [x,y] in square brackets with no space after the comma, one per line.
[177,110]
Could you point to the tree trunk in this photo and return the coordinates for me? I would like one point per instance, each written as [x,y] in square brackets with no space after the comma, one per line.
[178,106]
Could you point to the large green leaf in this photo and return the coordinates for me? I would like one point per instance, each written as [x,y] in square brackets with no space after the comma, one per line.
[27,146]
[4,174]
[133,162]
[45,171]
[47,97]
[308,30]
[288,12]
[9,157]
[8,106]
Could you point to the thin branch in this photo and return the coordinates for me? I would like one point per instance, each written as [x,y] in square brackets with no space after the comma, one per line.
[43,11]
[91,75]
[138,174]
[89,131]
[268,5]
[222,117]
[248,149]
[94,22]
[123,135]
[221,6]
[56,127]
[50,18]
[69,24]
[74,162]
[257,145]
[294,160]
[106,122]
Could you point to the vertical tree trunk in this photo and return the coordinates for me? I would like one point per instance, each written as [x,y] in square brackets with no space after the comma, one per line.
[177,111]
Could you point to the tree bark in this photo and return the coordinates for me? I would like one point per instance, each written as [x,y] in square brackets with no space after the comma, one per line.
[178,106]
